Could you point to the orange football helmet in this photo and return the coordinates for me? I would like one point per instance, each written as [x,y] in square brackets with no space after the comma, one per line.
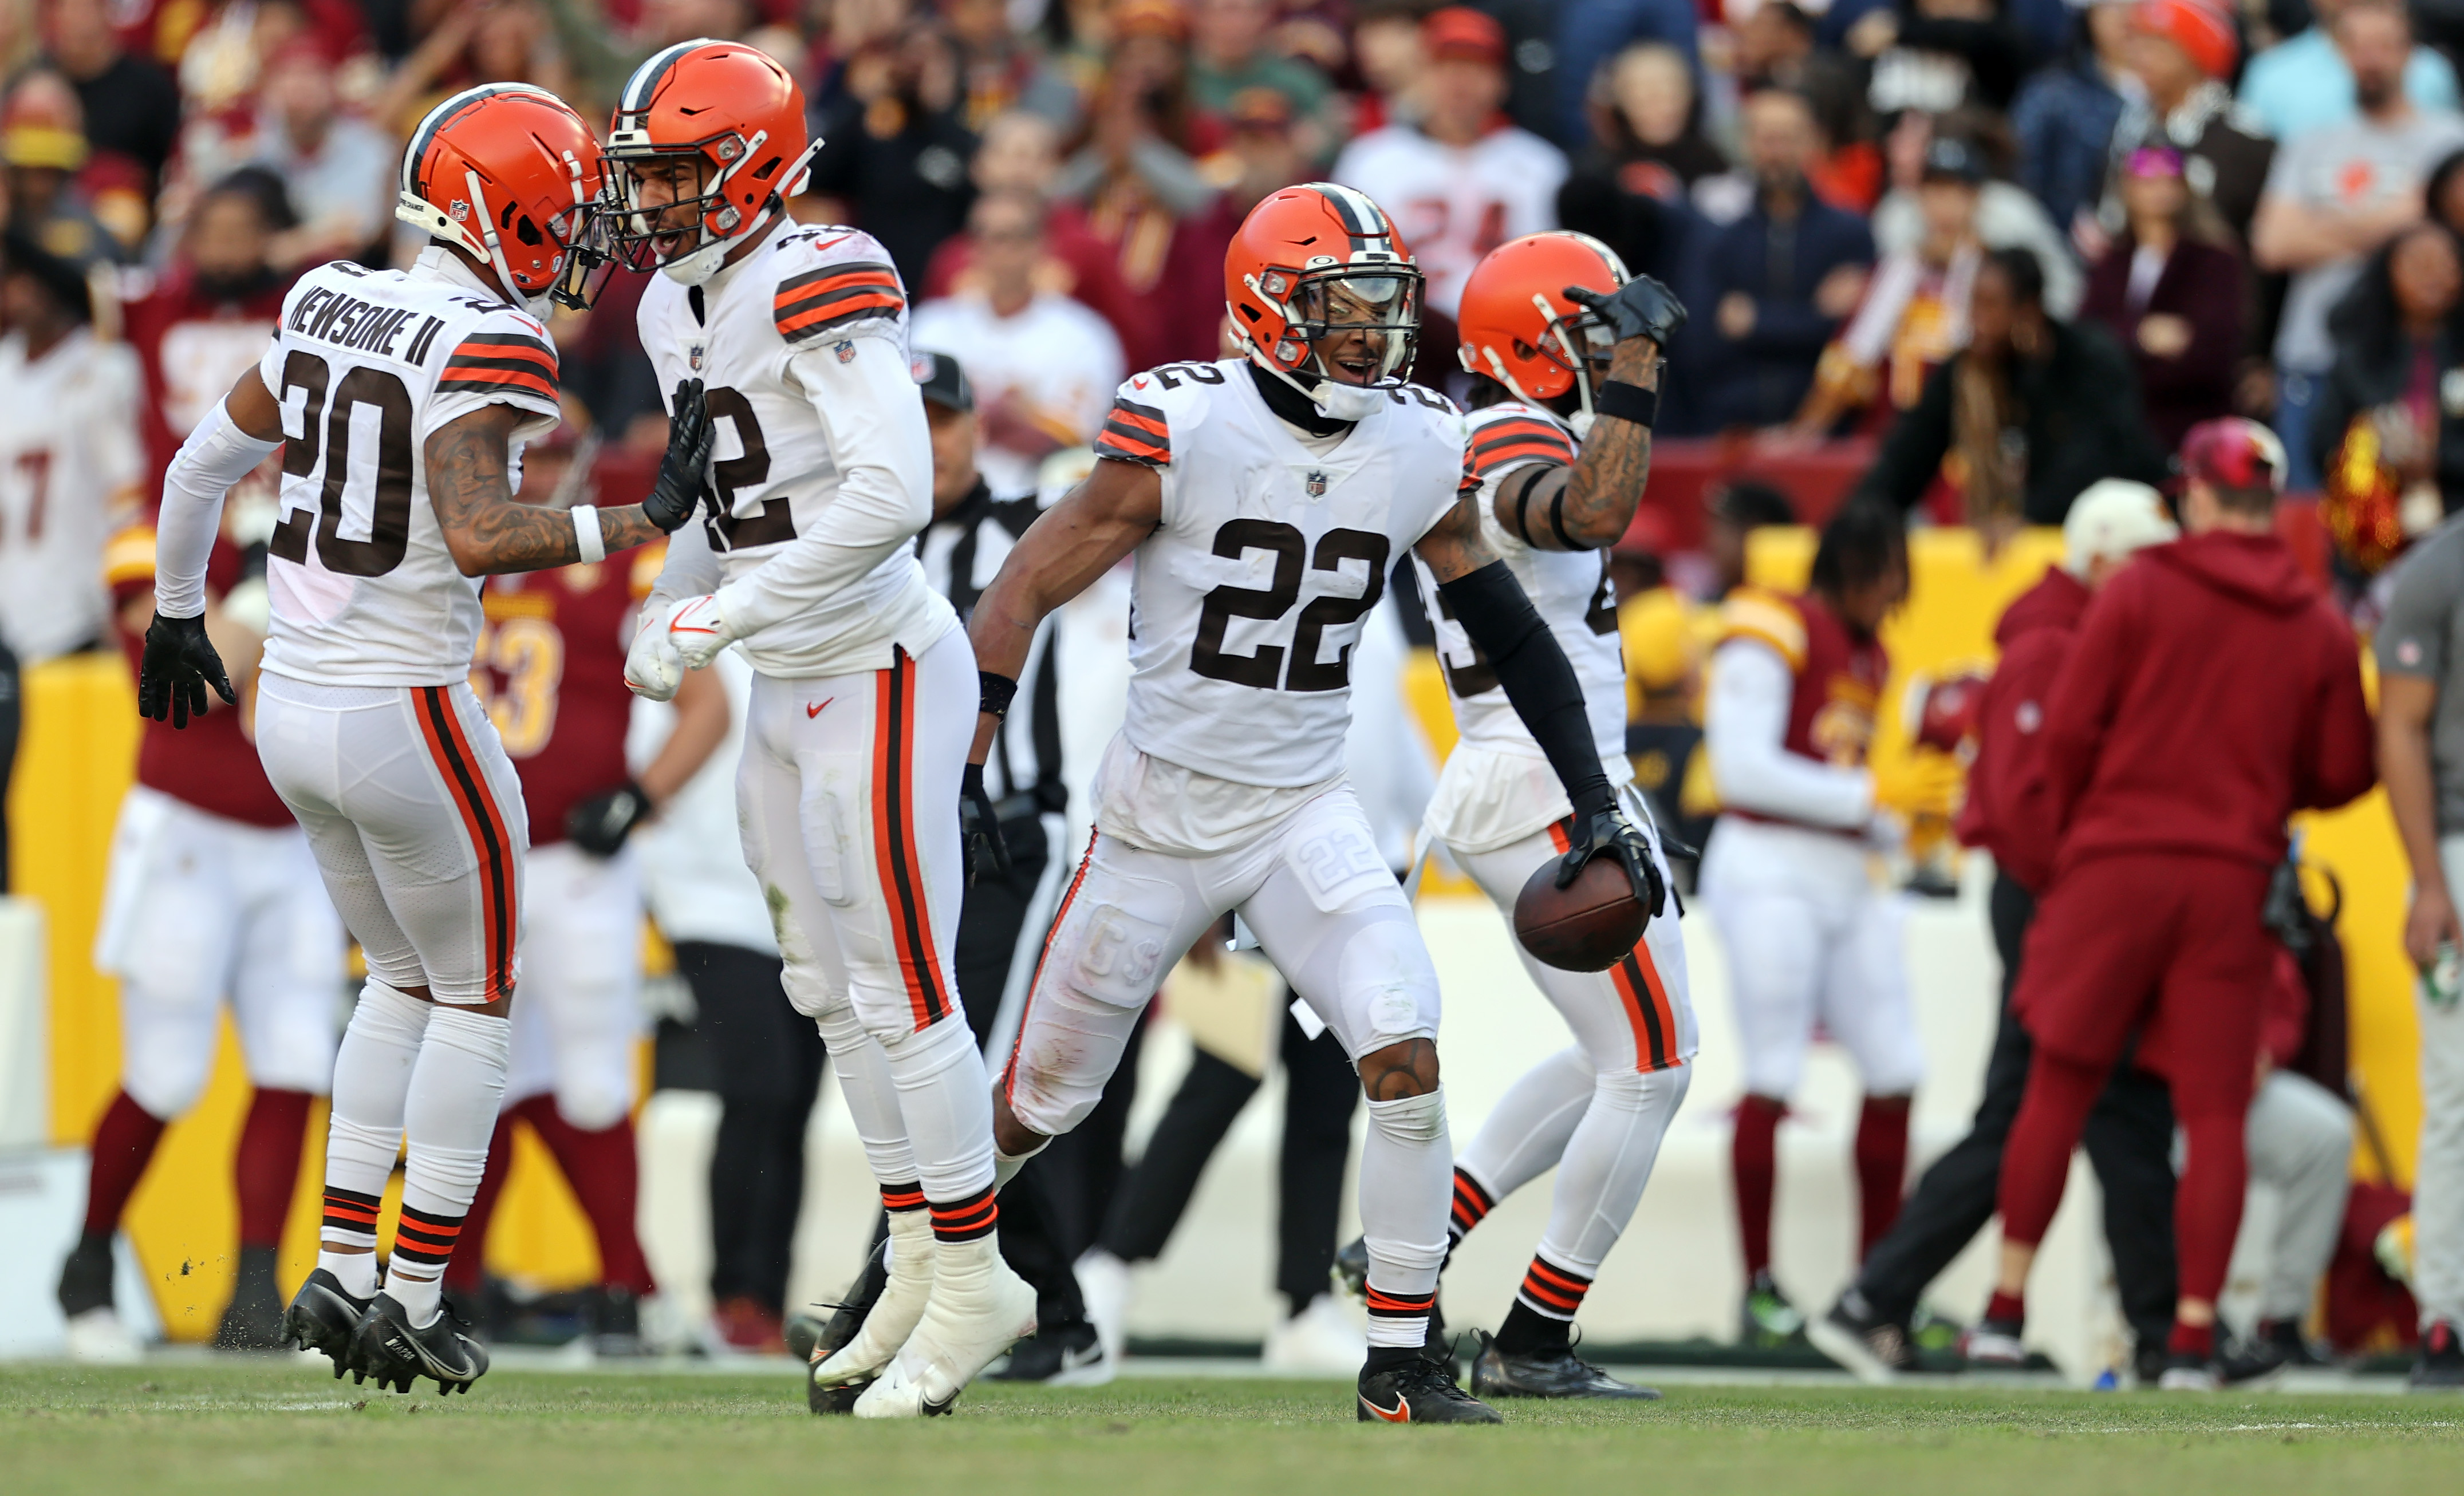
[734,116]
[1518,327]
[511,174]
[1317,262]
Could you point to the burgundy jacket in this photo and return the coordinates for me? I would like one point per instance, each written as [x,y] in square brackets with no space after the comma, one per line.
[2006,811]
[2202,285]
[2214,690]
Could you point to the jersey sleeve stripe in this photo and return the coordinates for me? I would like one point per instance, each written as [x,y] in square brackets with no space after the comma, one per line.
[812,303]
[854,272]
[1510,442]
[1133,432]
[497,382]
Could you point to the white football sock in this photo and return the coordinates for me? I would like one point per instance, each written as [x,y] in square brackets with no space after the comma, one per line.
[1608,1162]
[947,1103]
[871,1098]
[1406,1183]
[1527,1132]
[448,1117]
[372,1073]
[1005,1166]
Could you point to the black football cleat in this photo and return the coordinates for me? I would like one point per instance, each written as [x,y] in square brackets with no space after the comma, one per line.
[322,1316]
[252,1320]
[1853,1334]
[833,1334]
[396,1355]
[616,1323]
[1547,1374]
[1057,1355]
[1351,1270]
[85,1278]
[2440,1367]
[1421,1390]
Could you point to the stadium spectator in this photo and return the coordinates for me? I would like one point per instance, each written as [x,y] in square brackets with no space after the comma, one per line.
[2181,52]
[1637,207]
[2171,822]
[1943,53]
[2307,81]
[1262,151]
[2397,334]
[1386,51]
[2064,117]
[1775,48]
[2005,216]
[894,148]
[2035,409]
[2421,759]
[131,107]
[1138,191]
[1732,514]
[43,147]
[1914,314]
[2171,292]
[206,320]
[1591,32]
[1647,116]
[1043,366]
[1462,179]
[1229,53]
[2129,1135]
[339,172]
[1778,280]
[2334,194]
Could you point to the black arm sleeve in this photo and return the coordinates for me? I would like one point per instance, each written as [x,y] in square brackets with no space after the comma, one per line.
[1538,680]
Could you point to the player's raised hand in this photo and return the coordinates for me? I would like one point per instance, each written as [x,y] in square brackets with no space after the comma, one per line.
[684,472]
[178,664]
[1612,835]
[1640,308]
[979,829]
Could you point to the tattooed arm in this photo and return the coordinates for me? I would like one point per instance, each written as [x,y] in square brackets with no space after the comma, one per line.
[486,527]
[1596,498]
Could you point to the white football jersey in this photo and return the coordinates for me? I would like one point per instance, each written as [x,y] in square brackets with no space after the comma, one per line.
[820,291]
[1569,589]
[1247,600]
[367,365]
[68,470]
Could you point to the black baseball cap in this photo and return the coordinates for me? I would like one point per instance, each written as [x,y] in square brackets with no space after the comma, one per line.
[940,381]
[1951,160]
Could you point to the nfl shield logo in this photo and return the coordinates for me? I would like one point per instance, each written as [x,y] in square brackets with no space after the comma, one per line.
[1316,484]
[846,351]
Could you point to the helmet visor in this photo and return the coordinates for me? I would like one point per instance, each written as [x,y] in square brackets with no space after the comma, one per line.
[1363,322]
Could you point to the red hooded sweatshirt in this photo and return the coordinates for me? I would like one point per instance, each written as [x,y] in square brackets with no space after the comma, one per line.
[2006,810]
[2212,692]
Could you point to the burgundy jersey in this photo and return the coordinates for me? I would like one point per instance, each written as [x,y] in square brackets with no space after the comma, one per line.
[194,347]
[550,667]
[1839,677]
[209,764]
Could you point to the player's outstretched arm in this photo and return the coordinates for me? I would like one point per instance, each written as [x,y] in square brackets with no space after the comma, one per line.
[180,661]
[1540,684]
[1589,506]
[1069,546]
[488,529]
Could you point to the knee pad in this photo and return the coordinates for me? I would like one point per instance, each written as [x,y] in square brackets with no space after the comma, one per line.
[1413,1121]
[1067,1050]
[1387,984]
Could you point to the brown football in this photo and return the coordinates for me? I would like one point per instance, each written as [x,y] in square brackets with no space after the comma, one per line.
[1585,927]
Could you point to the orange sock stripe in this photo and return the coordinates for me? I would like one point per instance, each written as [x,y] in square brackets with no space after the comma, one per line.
[1026,1010]
[966,1220]
[467,786]
[902,1197]
[910,927]
[1548,1298]
[1394,1306]
[1549,1273]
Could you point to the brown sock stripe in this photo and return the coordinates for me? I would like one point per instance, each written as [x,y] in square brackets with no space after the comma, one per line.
[1471,1203]
[350,1212]
[1553,1291]
[902,1197]
[1394,1306]
[966,1220]
[422,1237]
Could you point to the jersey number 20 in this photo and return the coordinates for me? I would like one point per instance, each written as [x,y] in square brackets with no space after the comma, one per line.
[389,524]
[1264,668]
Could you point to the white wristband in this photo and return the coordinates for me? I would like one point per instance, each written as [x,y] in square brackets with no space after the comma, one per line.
[588,535]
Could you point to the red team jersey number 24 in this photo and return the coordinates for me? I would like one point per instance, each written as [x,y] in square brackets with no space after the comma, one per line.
[550,668]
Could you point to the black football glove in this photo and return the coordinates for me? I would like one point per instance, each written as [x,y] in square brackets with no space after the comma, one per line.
[178,664]
[684,472]
[1612,835]
[1640,308]
[600,825]
[979,829]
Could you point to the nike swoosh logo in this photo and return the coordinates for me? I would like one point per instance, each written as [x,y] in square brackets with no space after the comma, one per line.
[1403,1413]
[827,243]
[690,628]
[814,710]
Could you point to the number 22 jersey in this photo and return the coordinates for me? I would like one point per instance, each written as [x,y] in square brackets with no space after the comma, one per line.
[367,365]
[1247,600]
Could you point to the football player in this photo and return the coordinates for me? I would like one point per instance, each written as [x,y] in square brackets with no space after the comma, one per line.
[857,728]
[403,400]
[1264,499]
[1565,349]
[1795,683]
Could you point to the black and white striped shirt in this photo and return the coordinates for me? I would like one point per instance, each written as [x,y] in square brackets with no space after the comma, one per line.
[962,552]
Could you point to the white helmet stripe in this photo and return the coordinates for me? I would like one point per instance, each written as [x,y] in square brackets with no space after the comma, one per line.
[437,118]
[644,80]
[1360,215]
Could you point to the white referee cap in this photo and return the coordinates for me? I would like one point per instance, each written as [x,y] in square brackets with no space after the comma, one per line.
[2113,518]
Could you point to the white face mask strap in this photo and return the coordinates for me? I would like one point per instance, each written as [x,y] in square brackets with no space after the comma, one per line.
[1497,369]
[488,236]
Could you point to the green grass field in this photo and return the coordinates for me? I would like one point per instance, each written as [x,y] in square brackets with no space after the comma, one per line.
[280,1428]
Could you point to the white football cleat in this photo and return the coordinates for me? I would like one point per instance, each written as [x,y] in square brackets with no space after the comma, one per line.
[1319,1341]
[1103,1284]
[979,1309]
[98,1338]
[901,1307]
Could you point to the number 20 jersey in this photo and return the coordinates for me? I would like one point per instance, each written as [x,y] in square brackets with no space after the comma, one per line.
[1247,601]
[367,365]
